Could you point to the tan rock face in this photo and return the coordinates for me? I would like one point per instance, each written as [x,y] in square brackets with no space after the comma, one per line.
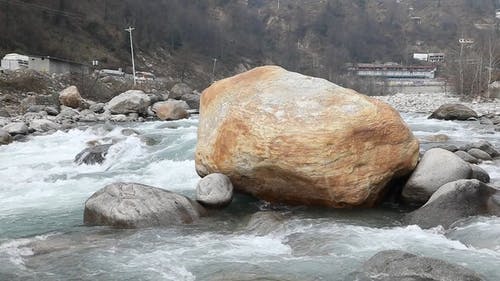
[285,137]
[70,97]
[171,110]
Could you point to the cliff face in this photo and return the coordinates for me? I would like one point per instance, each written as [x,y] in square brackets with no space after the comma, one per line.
[181,38]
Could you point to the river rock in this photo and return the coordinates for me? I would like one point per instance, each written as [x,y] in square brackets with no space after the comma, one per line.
[17,128]
[52,111]
[452,202]
[437,167]
[263,223]
[479,154]
[133,205]
[67,113]
[486,147]
[97,107]
[92,155]
[214,191]
[133,101]
[453,112]
[480,174]
[179,90]
[5,137]
[171,110]
[395,265]
[43,125]
[467,157]
[70,97]
[285,137]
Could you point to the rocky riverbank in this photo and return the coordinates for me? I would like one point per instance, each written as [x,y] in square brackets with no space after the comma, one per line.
[428,102]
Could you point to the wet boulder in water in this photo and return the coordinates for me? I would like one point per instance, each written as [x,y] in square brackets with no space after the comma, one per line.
[5,137]
[395,265]
[92,155]
[133,205]
[480,174]
[452,202]
[17,128]
[453,112]
[486,147]
[214,191]
[467,157]
[479,154]
[437,167]
[263,223]
[285,137]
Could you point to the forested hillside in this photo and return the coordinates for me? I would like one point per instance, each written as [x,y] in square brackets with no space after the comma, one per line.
[181,38]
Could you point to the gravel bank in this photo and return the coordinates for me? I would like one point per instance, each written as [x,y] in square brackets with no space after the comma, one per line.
[428,102]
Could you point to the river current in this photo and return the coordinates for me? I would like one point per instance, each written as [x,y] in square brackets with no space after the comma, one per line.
[42,196]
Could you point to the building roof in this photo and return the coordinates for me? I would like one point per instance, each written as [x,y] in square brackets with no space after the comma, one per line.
[14,56]
[58,59]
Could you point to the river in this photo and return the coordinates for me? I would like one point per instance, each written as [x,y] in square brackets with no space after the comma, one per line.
[42,196]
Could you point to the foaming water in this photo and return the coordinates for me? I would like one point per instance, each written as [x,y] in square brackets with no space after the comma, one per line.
[42,194]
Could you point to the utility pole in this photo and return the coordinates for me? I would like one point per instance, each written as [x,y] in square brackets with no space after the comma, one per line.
[278,4]
[129,30]
[213,70]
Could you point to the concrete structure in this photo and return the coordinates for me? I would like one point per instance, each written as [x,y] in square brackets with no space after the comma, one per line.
[430,57]
[14,62]
[56,65]
[394,71]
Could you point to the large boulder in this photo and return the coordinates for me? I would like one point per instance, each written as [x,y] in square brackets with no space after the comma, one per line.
[171,110]
[179,90]
[395,265]
[285,137]
[92,155]
[453,112]
[133,205]
[479,154]
[452,202]
[70,97]
[5,137]
[437,167]
[214,191]
[467,157]
[133,101]
[17,128]
[480,174]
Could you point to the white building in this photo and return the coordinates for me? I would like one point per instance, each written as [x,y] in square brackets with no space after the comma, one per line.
[15,62]
[430,57]
[394,71]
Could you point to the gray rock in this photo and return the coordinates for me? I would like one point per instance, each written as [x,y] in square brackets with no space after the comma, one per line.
[394,265]
[35,108]
[480,174]
[133,205]
[87,115]
[446,146]
[479,154]
[43,125]
[179,90]
[52,111]
[263,223]
[437,167]
[119,118]
[467,157]
[486,147]
[133,101]
[193,100]
[92,155]
[17,128]
[130,132]
[5,137]
[454,112]
[452,202]
[214,191]
[97,107]
[68,113]
[4,121]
